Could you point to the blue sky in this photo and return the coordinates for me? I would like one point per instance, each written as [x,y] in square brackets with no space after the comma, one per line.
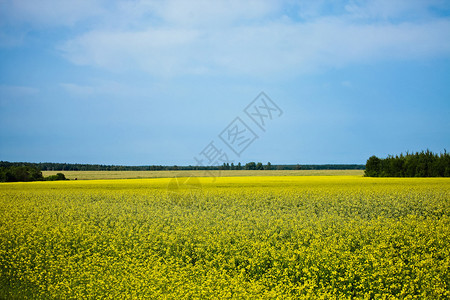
[154,82]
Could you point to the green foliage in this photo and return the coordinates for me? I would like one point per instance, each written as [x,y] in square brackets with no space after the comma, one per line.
[423,164]
[373,167]
[26,173]
[58,176]
[250,166]
[20,173]
[255,166]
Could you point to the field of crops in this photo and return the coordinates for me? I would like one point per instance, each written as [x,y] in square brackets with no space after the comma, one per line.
[89,175]
[299,237]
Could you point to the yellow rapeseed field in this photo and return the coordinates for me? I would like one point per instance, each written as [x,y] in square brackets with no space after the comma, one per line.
[286,237]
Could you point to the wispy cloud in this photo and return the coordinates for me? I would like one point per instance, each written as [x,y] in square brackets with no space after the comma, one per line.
[168,38]
[272,47]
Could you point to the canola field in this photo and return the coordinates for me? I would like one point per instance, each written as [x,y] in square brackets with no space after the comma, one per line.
[320,237]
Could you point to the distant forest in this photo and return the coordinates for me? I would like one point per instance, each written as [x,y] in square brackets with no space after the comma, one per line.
[249,166]
[423,164]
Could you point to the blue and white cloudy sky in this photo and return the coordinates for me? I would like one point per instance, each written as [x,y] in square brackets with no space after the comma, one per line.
[154,82]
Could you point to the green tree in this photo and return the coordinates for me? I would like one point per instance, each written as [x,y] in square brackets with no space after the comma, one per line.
[20,173]
[373,167]
[58,176]
[250,166]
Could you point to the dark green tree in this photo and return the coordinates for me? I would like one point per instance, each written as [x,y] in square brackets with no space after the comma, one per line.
[20,173]
[250,166]
[58,176]
[423,164]
[373,166]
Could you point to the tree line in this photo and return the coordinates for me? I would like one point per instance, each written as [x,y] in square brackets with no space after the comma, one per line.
[25,173]
[423,164]
[260,166]
[46,166]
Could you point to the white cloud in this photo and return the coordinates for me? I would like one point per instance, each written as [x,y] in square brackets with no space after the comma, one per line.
[167,38]
[157,50]
[133,12]
[256,49]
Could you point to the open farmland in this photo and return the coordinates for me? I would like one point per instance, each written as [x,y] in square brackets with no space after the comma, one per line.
[89,175]
[230,237]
